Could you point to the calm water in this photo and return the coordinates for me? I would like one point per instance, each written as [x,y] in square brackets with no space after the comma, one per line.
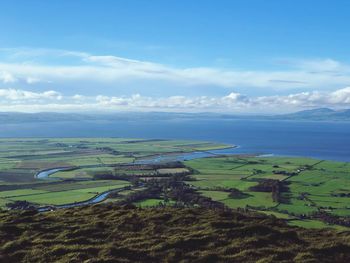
[311,139]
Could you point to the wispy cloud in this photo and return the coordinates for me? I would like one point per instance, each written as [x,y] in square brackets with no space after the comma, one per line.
[45,79]
[117,71]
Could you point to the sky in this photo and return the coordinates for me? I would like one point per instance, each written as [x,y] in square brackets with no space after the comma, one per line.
[241,56]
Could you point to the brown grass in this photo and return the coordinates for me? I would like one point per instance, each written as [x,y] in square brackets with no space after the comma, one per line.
[106,233]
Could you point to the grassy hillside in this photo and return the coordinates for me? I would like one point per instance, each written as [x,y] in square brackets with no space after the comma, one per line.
[107,233]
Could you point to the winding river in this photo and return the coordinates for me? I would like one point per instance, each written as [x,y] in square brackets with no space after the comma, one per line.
[45,174]
[96,199]
[172,157]
[159,158]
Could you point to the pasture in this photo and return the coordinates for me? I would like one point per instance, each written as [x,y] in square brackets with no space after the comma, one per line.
[97,165]
[62,192]
[22,158]
[313,185]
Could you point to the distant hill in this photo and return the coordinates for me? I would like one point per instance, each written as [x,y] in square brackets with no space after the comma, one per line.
[320,114]
[19,117]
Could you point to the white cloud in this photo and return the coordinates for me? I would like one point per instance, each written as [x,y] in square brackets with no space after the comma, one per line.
[78,97]
[22,100]
[234,102]
[341,96]
[23,95]
[32,80]
[7,77]
[317,82]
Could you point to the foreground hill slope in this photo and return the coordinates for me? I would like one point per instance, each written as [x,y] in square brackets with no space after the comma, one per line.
[107,233]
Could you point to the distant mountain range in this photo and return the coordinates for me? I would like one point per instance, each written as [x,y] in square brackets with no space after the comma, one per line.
[320,114]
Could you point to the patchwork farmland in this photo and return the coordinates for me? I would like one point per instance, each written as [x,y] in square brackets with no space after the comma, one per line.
[304,192]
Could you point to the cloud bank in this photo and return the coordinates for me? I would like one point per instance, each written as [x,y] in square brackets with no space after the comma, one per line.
[59,80]
[27,101]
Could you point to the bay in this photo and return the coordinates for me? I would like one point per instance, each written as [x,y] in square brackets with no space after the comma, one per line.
[323,140]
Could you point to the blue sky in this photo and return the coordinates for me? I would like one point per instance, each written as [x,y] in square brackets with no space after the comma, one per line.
[228,56]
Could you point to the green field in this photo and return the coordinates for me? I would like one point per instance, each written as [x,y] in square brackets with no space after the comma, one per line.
[149,202]
[22,158]
[319,182]
[313,186]
[61,193]
[28,155]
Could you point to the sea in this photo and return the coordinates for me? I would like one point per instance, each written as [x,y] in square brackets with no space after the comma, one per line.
[322,140]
